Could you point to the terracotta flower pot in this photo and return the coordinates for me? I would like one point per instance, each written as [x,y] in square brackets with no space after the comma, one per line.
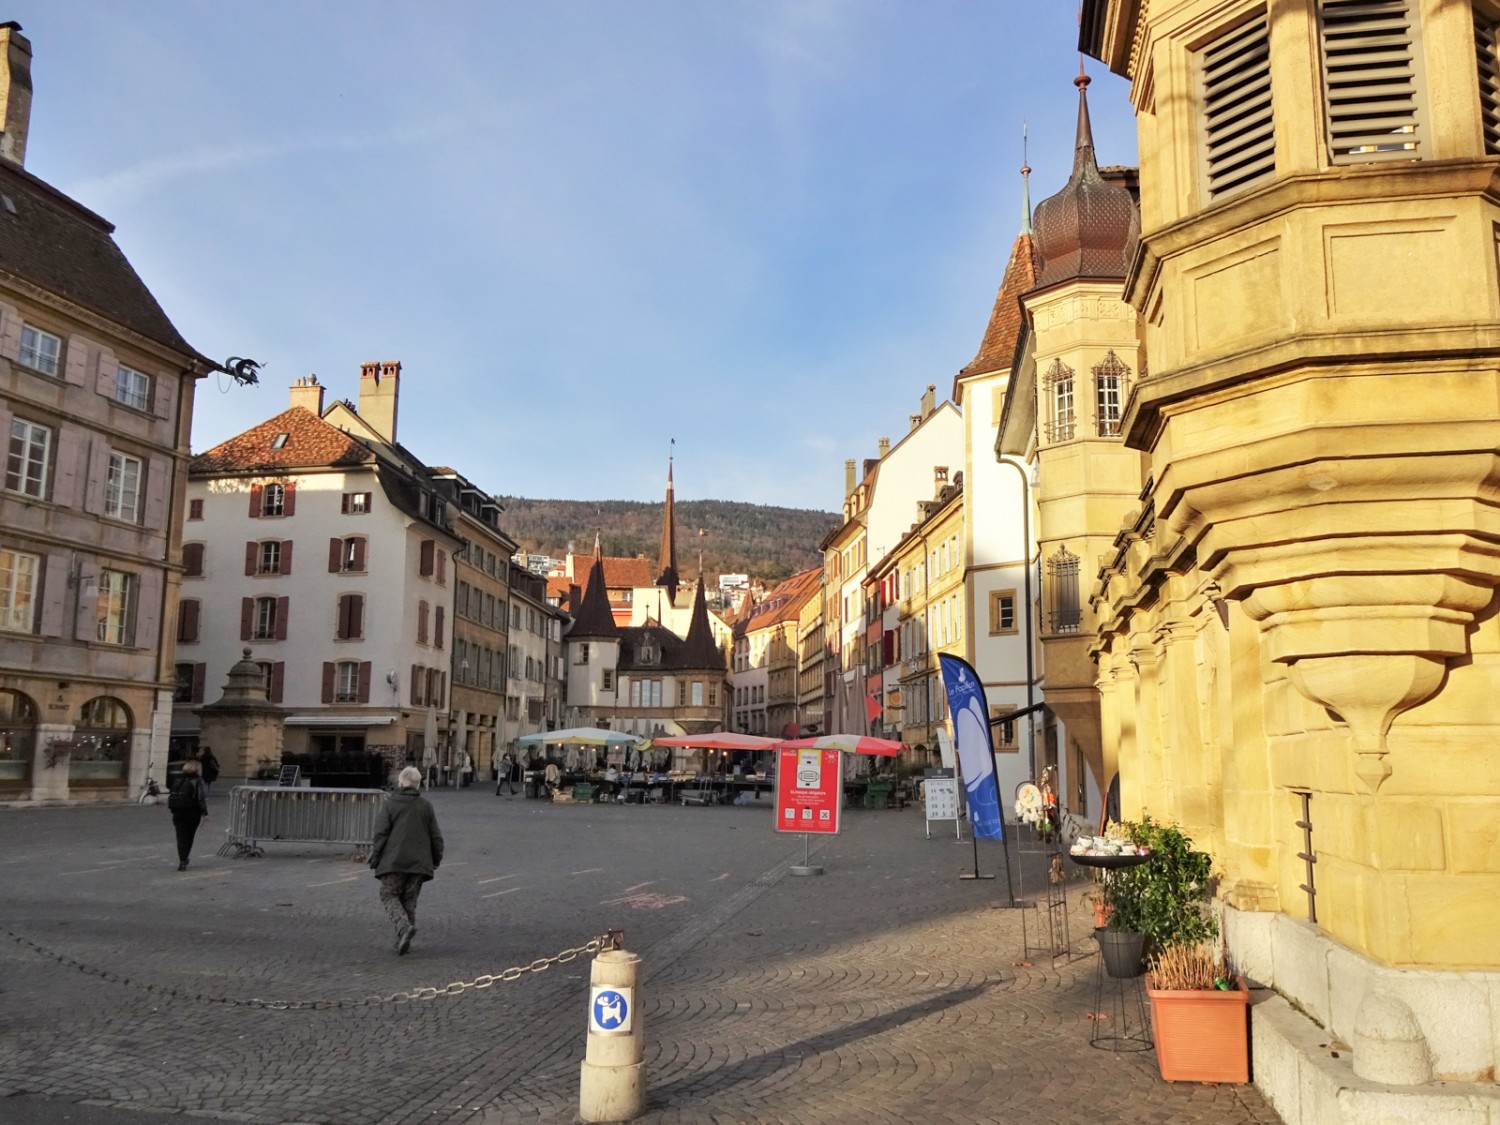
[1201,1036]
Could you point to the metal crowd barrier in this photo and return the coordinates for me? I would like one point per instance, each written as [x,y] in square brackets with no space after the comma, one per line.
[260,813]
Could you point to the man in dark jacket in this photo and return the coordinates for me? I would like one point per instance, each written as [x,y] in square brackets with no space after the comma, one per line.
[406,850]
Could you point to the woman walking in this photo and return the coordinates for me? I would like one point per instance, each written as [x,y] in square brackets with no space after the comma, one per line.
[188,804]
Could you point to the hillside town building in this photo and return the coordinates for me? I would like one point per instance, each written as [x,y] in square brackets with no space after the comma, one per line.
[96,399]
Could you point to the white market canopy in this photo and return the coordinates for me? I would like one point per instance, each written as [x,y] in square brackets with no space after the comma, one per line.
[586,736]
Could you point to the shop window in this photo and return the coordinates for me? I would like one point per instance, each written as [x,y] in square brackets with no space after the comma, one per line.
[100,746]
[18,723]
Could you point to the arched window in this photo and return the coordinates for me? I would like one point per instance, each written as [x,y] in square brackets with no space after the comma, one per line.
[1058,384]
[1111,380]
[101,741]
[18,718]
[1062,591]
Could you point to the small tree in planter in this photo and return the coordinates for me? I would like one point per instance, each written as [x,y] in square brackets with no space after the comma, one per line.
[1164,900]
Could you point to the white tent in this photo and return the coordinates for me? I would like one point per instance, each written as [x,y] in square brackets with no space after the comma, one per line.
[585,736]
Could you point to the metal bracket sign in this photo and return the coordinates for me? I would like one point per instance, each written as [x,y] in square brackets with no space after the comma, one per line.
[809,790]
[611,1010]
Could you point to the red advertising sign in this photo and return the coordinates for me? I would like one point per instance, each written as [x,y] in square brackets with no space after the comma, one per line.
[809,790]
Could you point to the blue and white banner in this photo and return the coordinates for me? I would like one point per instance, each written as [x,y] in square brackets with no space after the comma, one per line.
[976,758]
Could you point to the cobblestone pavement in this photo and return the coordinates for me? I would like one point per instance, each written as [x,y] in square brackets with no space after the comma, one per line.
[886,990]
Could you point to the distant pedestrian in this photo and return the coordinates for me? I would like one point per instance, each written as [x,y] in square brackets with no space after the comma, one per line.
[406,850]
[210,766]
[188,804]
[506,776]
[465,769]
[429,763]
[552,778]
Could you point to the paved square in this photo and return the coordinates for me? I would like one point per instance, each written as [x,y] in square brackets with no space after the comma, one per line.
[886,990]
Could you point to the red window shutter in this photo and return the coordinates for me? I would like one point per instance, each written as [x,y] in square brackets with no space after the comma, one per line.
[252,556]
[195,509]
[442,567]
[192,559]
[364,682]
[341,625]
[187,621]
[359,554]
[283,607]
[421,623]
[442,692]
[255,491]
[429,550]
[367,496]
[286,556]
[335,555]
[416,685]
[438,616]
[289,504]
[247,617]
[199,674]
[328,674]
[344,503]
[278,680]
[356,616]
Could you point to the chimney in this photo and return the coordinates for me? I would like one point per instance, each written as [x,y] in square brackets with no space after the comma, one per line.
[308,394]
[379,389]
[939,479]
[885,447]
[15,92]
[914,419]
[929,400]
[849,479]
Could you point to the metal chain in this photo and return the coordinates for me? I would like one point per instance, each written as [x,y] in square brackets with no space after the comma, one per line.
[612,939]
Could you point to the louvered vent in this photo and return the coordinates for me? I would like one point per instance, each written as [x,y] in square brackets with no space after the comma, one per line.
[1240,135]
[1488,54]
[1370,81]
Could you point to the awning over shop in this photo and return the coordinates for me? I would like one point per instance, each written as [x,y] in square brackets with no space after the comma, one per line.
[339,720]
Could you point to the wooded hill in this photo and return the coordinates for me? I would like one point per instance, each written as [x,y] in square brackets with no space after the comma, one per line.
[734,538]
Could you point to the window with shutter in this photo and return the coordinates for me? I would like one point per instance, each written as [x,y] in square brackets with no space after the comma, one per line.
[1370,81]
[187,621]
[1487,52]
[192,560]
[1239,136]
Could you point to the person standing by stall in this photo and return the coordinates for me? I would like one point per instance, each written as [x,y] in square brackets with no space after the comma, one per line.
[506,776]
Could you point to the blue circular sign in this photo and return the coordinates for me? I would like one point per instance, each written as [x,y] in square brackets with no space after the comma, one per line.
[611,1009]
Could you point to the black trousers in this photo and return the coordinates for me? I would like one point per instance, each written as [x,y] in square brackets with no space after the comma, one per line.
[186,824]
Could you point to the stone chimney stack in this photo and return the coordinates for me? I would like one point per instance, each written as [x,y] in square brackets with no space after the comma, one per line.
[914,419]
[15,92]
[885,447]
[939,480]
[308,394]
[849,479]
[379,391]
[929,400]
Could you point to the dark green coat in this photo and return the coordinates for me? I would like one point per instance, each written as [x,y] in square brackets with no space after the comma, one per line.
[407,840]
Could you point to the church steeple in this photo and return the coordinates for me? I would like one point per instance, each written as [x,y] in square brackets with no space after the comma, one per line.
[668,575]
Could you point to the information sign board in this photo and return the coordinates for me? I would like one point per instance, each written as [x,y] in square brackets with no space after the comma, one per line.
[809,790]
[290,775]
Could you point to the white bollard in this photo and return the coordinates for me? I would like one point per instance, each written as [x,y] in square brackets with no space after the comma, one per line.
[612,1083]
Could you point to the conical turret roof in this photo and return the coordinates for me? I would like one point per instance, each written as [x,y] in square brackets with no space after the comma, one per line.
[699,649]
[668,575]
[594,619]
[1083,230]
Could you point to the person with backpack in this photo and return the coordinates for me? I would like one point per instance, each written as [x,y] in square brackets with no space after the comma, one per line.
[210,767]
[406,850]
[188,804]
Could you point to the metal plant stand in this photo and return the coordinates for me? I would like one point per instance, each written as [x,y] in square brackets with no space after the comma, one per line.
[1120,1020]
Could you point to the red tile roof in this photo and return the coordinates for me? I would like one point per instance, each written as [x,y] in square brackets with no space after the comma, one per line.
[311,443]
[998,347]
[622,573]
[786,600]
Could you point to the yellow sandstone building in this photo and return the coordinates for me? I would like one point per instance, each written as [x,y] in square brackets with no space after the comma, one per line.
[1294,625]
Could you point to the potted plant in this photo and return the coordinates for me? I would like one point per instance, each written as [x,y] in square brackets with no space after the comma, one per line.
[1199,1015]
[1156,904]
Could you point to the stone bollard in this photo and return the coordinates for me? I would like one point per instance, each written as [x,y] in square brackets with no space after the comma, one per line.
[612,1083]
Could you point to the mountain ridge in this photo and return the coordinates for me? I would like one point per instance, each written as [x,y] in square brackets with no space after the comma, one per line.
[761,540]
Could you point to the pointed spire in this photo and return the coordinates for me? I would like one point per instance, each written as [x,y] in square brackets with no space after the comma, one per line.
[698,648]
[593,617]
[668,575]
[1083,146]
[1025,182]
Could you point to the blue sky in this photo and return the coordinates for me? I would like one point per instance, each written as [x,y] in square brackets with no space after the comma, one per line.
[758,227]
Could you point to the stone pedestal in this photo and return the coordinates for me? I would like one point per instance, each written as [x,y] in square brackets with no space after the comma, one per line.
[243,727]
